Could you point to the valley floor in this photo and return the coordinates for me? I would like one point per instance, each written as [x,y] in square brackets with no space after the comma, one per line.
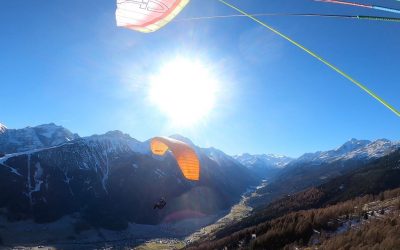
[62,235]
[237,212]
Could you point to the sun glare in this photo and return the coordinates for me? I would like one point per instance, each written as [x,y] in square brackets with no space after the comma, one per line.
[184,90]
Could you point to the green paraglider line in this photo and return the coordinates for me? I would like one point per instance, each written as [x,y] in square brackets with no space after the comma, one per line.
[360,85]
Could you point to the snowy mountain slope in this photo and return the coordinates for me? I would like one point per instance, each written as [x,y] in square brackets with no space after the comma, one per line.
[3,128]
[119,174]
[217,155]
[374,177]
[373,150]
[313,169]
[352,150]
[31,138]
[266,160]
[65,174]
[116,141]
[265,166]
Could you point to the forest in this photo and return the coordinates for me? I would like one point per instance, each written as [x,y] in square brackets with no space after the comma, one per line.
[367,222]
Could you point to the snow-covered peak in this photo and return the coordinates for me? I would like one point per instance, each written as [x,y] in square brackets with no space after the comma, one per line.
[373,150]
[3,128]
[216,155]
[353,149]
[117,134]
[54,133]
[116,141]
[277,156]
[309,156]
[264,160]
[351,145]
[31,138]
[49,126]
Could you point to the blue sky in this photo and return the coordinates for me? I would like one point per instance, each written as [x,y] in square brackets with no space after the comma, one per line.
[66,62]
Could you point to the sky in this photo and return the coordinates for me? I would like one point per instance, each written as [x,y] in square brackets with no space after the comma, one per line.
[66,62]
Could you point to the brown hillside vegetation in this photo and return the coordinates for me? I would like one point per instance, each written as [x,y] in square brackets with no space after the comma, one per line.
[304,200]
[325,228]
[374,178]
[377,234]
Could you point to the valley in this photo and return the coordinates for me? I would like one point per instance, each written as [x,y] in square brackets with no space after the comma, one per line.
[63,234]
[74,192]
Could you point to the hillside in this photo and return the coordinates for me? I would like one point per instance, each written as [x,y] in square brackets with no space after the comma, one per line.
[111,181]
[313,169]
[369,221]
[377,176]
[118,174]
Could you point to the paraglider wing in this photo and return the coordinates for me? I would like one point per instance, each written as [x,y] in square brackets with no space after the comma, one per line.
[185,156]
[147,15]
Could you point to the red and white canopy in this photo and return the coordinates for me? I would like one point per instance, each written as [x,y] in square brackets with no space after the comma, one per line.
[147,15]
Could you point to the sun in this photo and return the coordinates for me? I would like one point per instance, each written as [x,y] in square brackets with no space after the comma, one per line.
[184,90]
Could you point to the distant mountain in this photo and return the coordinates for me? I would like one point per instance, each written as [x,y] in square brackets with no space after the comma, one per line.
[264,165]
[352,150]
[376,176]
[31,138]
[270,165]
[373,178]
[313,169]
[268,160]
[113,179]
[49,172]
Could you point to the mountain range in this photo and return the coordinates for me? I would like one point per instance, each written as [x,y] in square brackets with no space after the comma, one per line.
[344,206]
[313,169]
[47,172]
[110,180]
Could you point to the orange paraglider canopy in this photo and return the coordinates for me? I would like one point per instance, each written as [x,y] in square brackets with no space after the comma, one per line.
[183,153]
[147,15]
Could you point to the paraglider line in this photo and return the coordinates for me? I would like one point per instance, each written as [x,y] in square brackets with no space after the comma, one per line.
[360,85]
[361,5]
[374,18]
[262,14]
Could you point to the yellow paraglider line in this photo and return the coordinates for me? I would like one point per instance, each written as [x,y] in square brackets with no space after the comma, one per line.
[360,85]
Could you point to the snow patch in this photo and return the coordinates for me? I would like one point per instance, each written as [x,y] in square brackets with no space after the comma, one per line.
[67,181]
[38,177]
[3,162]
[29,193]
[105,170]
[3,128]
[159,173]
